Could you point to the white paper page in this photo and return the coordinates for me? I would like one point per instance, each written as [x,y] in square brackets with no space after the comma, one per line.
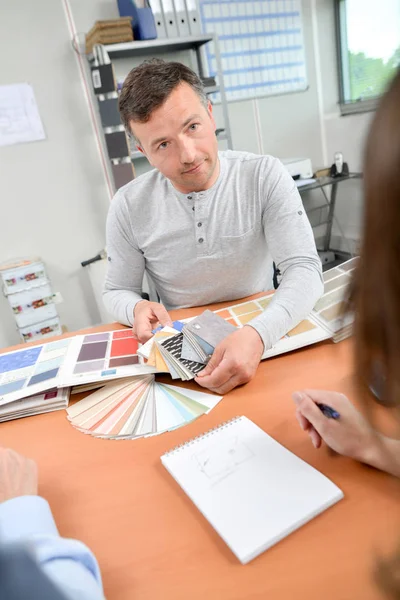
[251,489]
[302,182]
[19,115]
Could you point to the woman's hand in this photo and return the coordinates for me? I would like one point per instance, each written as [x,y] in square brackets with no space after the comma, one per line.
[350,434]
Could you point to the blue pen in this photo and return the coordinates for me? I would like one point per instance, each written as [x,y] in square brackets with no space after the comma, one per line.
[328,411]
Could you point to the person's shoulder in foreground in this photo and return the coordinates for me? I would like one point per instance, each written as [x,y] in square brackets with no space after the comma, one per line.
[31,545]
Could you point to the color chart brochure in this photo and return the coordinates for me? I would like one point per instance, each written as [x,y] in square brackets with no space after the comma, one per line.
[185,353]
[102,356]
[35,405]
[324,321]
[137,408]
[252,490]
[329,309]
[31,370]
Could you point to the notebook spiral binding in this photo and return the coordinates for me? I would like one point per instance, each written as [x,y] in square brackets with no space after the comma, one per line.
[211,431]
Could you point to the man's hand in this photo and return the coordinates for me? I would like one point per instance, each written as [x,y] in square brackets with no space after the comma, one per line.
[18,475]
[147,316]
[234,361]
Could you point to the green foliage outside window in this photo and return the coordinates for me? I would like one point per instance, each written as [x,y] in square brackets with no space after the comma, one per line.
[370,76]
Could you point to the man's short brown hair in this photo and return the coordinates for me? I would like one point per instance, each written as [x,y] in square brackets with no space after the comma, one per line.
[149,85]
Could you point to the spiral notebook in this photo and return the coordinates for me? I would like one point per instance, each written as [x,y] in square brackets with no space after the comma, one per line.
[252,490]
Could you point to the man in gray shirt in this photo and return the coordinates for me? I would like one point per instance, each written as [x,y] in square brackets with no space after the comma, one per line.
[205,225]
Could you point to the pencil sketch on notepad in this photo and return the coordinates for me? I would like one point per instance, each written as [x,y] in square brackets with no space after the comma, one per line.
[216,466]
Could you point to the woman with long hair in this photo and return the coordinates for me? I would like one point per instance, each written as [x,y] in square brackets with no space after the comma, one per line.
[375,300]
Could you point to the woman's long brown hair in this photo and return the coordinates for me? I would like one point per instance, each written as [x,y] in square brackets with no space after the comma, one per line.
[377,279]
[376,285]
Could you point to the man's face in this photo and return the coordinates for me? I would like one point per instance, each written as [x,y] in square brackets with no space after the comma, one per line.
[179,140]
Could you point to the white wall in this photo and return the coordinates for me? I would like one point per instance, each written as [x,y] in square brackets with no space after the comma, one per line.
[53,194]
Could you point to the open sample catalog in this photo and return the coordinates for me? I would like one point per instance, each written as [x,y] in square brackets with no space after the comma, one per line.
[185,349]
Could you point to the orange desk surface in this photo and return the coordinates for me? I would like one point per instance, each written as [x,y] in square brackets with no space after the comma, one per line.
[152,542]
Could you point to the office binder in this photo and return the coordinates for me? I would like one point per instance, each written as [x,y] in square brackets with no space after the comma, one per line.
[194,17]
[182,18]
[123,173]
[159,19]
[109,113]
[117,144]
[144,27]
[171,26]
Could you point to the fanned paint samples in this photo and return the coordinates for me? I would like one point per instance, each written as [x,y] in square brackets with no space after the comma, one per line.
[138,407]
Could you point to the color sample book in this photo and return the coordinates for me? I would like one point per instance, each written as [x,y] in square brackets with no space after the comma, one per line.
[102,356]
[185,353]
[329,310]
[35,405]
[31,370]
[138,407]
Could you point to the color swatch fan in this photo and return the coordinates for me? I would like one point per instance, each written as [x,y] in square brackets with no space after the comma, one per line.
[138,407]
[184,350]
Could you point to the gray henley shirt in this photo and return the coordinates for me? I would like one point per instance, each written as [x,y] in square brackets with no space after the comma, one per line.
[216,245]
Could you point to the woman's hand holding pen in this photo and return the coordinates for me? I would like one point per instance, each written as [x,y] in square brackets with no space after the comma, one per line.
[350,435]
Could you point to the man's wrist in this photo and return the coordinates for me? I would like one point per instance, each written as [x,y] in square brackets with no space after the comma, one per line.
[257,337]
[136,305]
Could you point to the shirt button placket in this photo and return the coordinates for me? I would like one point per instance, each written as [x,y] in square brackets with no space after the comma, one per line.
[201,241]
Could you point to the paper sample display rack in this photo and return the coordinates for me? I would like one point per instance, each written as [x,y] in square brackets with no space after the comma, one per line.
[30,296]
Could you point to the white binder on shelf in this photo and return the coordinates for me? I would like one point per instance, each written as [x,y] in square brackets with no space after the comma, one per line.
[194,17]
[171,26]
[158,13]
[182,18]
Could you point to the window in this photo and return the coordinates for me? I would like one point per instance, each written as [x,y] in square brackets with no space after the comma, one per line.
[368,36]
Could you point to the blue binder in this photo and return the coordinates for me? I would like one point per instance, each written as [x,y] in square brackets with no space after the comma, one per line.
[143,24]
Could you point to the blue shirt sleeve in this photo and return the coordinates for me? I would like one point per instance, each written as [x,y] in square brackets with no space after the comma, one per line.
[68,563]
